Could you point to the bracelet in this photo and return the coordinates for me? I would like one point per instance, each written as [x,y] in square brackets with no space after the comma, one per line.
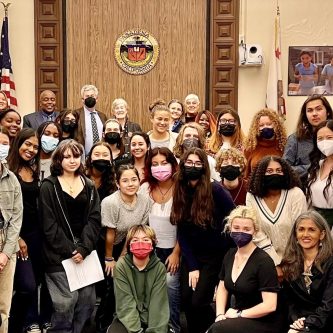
[239,313]
[220,314]
[108,259]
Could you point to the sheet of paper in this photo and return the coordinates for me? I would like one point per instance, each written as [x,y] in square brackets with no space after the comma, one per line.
[87,272]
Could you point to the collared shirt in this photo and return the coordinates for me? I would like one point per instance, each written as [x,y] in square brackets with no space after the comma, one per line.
[88,134]
[48,116]
[11,208]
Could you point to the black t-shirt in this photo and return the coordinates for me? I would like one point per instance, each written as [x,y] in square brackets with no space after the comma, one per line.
[258,275]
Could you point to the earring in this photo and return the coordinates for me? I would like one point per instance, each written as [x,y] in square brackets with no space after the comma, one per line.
[320,244]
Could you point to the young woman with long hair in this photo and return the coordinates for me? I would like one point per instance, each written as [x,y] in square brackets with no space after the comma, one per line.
[199,208]
[68,120]
[12,120]
[161,166]
[307,267]
[70,211]
[208,122]
[319,184]
[267,136]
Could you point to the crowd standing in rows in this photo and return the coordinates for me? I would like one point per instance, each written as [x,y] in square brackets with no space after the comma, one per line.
[192,216]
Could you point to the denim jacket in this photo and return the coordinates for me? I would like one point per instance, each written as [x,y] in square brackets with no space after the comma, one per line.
[11,208]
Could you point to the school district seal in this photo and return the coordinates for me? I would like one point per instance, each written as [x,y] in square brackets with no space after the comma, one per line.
[136,51]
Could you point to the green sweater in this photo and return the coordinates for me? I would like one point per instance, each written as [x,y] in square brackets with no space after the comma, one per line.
[141,296]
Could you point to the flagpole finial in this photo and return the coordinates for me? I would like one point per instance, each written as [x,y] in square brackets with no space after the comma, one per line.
[5,6]
[277,10]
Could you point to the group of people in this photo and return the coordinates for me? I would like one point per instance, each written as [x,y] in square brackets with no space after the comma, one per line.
[191,216]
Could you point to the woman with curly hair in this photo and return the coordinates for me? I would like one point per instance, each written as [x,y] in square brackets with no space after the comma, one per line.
[315,110]
[199,208]
[208,122]
[307,267]
[275,195]
[267,136]
[319,186]
[230,164]
[192,135]
[228,133]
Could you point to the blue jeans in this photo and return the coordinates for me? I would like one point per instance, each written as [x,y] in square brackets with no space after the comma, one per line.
[173,284]
[71,310]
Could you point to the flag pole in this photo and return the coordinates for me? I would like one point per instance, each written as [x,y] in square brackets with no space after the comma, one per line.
[5,6]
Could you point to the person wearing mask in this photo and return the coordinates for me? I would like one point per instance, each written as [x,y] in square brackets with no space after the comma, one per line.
[307,267]
[11,119]
[230,164]
[11,209]
[140,286]
[228,134]
[161,166]
[199,208]
[120,211]
[48,136]
[120,110]
[139,148]
[319,189]
[248,274]
[91,121]
[112,135]
[69,208]
[177,110]
[267,136]
[192,135]
[47,111]
[192,107]
[315,110]
[68,120]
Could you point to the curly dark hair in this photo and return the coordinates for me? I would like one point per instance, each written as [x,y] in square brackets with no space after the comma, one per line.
[315,157]
[304,129]
[256,184]
[170,158]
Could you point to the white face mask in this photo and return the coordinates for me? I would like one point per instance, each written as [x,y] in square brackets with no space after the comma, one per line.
[4,149]
[326,147]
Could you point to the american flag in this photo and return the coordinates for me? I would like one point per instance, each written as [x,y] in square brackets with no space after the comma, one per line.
[7,78]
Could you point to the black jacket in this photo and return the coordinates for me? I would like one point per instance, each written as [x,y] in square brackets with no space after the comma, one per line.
[58,242]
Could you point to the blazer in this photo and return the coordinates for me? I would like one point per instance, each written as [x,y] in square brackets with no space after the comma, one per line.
[35,119]
[79,135]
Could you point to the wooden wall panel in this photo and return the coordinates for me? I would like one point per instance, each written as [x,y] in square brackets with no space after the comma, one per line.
[180,28]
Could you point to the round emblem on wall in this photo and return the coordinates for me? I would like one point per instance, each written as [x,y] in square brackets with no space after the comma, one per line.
[136,51]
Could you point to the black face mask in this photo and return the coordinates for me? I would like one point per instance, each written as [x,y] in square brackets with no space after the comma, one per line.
[68,127]
[267,133]
[227,129]
[193,173]
[112,137]
[90,102]
[190,143]
[230,172]
[101,165]
[274,182]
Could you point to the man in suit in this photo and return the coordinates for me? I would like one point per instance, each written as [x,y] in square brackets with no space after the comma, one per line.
[91,121]
[47,112]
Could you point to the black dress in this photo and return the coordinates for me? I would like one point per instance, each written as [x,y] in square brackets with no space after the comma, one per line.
[258,275]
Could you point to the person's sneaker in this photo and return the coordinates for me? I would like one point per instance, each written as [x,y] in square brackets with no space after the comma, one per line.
[46,327]
[33,328]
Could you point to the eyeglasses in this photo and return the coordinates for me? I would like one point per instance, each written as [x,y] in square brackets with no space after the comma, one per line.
[196,164]
[227,121]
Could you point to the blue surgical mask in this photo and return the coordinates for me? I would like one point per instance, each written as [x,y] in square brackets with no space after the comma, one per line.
[4,149]
[49,143]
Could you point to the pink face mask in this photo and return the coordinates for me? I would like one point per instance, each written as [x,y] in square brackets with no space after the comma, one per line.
[161,172]
[141,250]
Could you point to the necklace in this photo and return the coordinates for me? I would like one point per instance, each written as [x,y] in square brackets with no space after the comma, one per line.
[165,193]
[71,187]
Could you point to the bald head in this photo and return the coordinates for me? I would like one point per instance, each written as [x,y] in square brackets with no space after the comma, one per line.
[47,101]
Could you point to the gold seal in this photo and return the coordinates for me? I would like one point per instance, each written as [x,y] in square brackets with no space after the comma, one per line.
[136,51]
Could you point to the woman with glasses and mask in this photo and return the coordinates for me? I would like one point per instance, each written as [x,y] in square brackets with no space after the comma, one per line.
[275,195]
[319,185]
[267,136]
[315,110]
[230,164]
[228,133]
[68,120]
[112,135]
[199,208]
